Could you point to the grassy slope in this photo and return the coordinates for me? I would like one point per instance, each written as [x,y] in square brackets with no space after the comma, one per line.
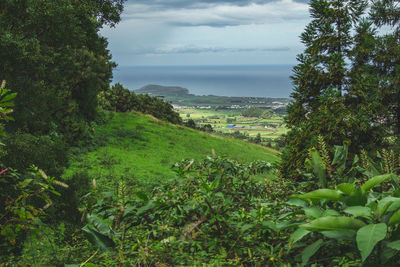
[139,146]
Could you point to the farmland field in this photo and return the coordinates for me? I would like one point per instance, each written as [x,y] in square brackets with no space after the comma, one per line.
[271,127]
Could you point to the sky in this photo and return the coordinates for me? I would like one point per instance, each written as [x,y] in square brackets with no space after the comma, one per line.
[208,32]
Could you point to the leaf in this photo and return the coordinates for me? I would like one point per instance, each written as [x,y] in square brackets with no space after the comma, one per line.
[330,213]
[395,218]
[359,211]
[394,245]
[99,240]
[387,253]
[309,251]
[150,205]
[368,236]
[385,203]
[297,202]
[395,180]
[100,226]
[333,223]
[318,194]
[312,212]
[340,157]
[374,181]
[8,97]
[319,167]
[395,205]
[340,234]
[347,188]
[297,235]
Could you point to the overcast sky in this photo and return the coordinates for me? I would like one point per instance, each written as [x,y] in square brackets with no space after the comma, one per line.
[208,32]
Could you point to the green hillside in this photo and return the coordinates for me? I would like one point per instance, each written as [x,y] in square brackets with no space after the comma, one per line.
[143,149]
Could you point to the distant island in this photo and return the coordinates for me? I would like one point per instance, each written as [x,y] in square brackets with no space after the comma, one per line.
[181,97]
[160,90]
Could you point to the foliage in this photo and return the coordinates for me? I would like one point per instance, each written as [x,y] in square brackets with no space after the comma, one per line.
[142,149]
[53,57]
[257,112]
[24,149]
[336,84]
[5,104]
[356,218]
[25,199]
[212,213]
[252,112]
[117,98]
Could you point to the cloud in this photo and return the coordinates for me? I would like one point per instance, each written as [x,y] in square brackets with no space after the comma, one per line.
[190,49]
[173,4]
[215,13]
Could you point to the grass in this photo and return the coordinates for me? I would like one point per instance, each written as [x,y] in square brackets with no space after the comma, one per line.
[143,149]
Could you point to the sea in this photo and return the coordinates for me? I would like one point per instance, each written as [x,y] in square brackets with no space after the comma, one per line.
[238,80]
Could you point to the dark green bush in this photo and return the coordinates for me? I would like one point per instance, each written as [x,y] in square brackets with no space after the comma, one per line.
[48,152]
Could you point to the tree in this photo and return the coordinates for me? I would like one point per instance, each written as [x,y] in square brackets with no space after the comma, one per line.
[54,58]
[320,80]
[363,93]
[252,112]
[387,58]
[257,139]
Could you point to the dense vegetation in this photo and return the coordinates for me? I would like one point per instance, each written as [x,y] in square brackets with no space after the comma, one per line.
[345,85]
[333,200]
[120,99]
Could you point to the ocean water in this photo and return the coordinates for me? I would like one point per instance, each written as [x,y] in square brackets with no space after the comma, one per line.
[257,80]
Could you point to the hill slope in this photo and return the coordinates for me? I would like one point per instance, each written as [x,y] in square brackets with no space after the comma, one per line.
[143,149]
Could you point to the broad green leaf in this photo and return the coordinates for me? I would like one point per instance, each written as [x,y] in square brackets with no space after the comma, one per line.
[100,226]
[374,181]
[99,240]
[340,157]
[297,202]
[318,194]
[394,206]
[312,212]
[246,227]
[359,211]
[333,223]
[368,236]
[319,167]
[387,253]
[395,218]
[394,245]
[396,181]
[309,251]
[297,235]
[150,205]
[356,198]
[8,97]
[385,203]
[287,225]
[330,213]
[347,188]
[340,234]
